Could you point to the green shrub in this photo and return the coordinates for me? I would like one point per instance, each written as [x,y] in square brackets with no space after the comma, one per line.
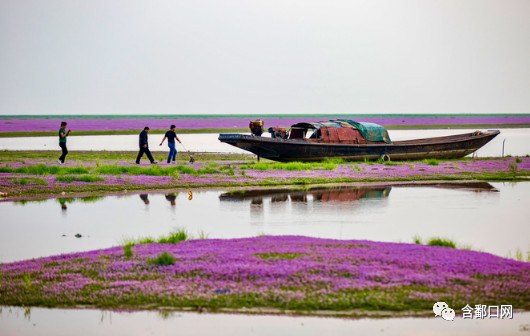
[127,250]
[441,242]
[174,237]
[164,259]
[147,240]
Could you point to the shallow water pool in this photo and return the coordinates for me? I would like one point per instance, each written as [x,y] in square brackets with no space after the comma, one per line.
[515,140]
[492,217]
[41,321]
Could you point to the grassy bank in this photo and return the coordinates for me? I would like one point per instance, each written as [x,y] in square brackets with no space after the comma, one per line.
[287,274]
[36,174]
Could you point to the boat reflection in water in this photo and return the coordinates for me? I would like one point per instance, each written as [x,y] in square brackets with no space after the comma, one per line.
[317,194]
[343,193]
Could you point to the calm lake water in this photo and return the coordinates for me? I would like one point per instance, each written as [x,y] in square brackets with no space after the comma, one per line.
[492,217]
[58,322]
[517,142]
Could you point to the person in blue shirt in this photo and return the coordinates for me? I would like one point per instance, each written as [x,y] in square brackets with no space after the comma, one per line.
[144,147]
[171,136]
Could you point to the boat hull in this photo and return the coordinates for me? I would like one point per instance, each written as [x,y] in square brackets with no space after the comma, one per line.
[285,150]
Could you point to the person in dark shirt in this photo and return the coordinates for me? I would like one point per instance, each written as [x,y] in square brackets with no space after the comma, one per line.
[144,147]
[63,133]
[171,136]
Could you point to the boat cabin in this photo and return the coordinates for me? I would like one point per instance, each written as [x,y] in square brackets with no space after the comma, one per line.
[340,131]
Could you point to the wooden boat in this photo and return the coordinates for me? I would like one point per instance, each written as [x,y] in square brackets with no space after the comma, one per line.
[353,141]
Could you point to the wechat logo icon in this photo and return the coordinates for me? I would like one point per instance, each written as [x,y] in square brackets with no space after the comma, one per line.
[442,309]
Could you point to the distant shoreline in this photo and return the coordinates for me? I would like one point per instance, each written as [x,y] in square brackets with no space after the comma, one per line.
[257,116]
[244,130]
[23,126]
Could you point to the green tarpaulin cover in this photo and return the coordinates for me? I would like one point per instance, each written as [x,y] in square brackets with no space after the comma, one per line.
[370,131]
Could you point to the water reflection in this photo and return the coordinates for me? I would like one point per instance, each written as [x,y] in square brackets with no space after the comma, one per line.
[62,202]
[396,212]
[172,198]
[516,142]
[340,194]
[43,321]
[145,198]
[477,187]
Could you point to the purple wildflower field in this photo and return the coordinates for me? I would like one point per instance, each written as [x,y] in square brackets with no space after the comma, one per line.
[239,173]
[118,124]
[281,272]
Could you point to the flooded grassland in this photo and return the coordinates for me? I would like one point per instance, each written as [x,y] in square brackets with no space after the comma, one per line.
[305,269]
[36,174]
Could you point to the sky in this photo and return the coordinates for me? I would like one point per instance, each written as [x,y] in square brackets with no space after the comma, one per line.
[260,57]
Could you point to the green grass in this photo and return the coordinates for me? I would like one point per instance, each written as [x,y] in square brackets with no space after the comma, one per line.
[42,169]
[164,259]
[437,241]
[127,250]
[29,181]
[174,237]
[153,170]
[146,240]
[441,242]
[203,235]
[513,168]
[432,162]
[209,169]
[81,178]
[291,166]
[274,255]
[27,280]
[102,157]
[518,255]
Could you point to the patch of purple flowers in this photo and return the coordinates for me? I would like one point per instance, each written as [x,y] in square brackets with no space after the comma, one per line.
[281,271]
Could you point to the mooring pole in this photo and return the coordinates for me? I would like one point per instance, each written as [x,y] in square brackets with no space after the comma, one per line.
[503,147]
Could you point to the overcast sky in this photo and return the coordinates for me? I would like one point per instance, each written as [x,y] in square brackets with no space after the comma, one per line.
[229,56]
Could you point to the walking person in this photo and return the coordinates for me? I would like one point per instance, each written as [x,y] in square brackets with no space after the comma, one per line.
[63,133]
[144,147]
[171,136]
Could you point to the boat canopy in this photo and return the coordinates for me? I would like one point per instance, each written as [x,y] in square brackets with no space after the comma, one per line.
[369,131]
